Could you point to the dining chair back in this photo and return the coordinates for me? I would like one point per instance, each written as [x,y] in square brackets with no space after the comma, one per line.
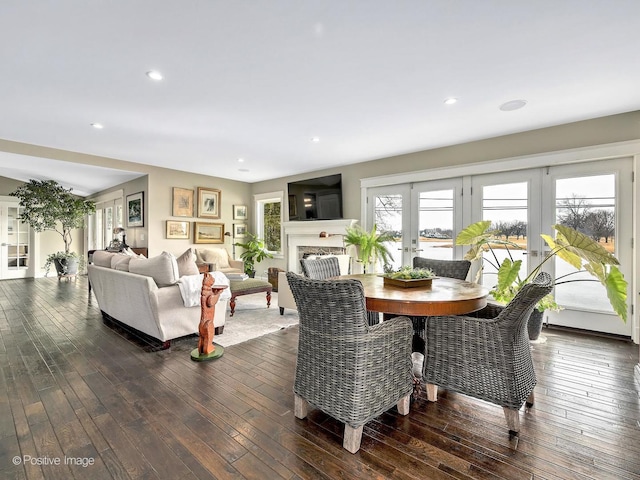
[444,268]
[320,268]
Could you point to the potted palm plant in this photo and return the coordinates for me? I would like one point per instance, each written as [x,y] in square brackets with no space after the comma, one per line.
[370,245]
[575,248]
[254,250]
[47,205]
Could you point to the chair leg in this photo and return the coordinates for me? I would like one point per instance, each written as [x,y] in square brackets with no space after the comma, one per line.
[404,405]
[432,392]
[512,415]
[300,406]
[530,400]
[352,438]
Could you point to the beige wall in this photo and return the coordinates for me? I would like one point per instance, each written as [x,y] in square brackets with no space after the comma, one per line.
[615,128]
[158,194]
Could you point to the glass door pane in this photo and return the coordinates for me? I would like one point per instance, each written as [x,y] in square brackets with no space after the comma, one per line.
[506,206]
[387,209]
[586,204]
[510,200]
[437,219]
[15,243]
[594,198]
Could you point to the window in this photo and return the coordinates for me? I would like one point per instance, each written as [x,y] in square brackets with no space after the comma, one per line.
[269,220]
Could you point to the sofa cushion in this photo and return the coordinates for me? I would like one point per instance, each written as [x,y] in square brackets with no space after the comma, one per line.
[162,268]
[102,258]
[187,263]
[219,256]
[120,261]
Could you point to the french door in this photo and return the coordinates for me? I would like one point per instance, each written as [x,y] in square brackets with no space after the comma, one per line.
[15,245]
[592,197]
[424,218]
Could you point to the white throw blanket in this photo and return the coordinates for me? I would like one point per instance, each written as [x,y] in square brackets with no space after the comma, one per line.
[191,287]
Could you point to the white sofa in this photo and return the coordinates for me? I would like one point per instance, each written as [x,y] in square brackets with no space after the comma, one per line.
[285,297]
[150,300]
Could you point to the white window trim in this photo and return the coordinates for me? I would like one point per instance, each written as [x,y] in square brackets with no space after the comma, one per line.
[260,199]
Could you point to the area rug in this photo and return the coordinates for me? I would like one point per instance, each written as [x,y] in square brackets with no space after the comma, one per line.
[253,319]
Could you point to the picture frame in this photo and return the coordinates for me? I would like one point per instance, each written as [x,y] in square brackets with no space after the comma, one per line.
[208,232]
[182,202]
[240,212]
[135,210]
[209,202]
[177,229]
[239,230]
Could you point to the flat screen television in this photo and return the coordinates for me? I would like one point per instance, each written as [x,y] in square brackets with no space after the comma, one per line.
[317,198]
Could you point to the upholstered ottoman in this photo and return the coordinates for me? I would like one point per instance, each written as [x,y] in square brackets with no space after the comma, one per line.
[247,287]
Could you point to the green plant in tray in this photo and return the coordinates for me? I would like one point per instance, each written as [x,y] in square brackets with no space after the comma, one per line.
[408,273]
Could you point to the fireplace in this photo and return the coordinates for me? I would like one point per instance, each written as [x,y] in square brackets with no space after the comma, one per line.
[319,237]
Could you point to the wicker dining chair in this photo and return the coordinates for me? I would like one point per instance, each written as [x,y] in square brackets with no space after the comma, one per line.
[486,358]
[444,268]
[441,268]
[320,268]
[350,370]
[327,267]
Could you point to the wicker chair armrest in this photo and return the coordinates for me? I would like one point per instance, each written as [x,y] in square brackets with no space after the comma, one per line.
[390,343]
[448,330]
[492,310]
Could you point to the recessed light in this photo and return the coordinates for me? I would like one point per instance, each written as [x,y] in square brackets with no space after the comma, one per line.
[97,125]
[450,100]
[315,139]
[240,160]
[154,75]
[512,105]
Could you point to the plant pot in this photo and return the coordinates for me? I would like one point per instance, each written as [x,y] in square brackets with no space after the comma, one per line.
[534,325]
[66,267]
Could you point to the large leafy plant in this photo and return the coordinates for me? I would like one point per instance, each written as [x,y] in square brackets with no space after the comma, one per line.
[47,205]
[254,250]
[370,244]
[575,248]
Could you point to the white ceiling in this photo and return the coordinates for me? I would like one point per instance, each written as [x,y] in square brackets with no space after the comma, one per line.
[258,79]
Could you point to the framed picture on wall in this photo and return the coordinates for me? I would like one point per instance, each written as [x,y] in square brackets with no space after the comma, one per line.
[239,230]
[135,210]
[239,212]
[182,203]
[177,229]
[209,202]
[207,232]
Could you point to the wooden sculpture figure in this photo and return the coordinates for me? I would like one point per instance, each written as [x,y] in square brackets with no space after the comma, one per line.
[208,298]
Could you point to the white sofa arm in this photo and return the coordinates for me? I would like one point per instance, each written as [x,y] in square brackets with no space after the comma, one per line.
[285,297]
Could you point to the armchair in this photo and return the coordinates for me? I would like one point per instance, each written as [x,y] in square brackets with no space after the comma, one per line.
[346,368]
[218,259]
[486,357]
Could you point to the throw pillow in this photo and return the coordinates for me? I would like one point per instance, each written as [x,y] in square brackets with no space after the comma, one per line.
[187,263]
[219,256]
[102,258]
[162,268]
[120,261]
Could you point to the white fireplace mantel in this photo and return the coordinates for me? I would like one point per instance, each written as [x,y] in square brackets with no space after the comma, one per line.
[307,234]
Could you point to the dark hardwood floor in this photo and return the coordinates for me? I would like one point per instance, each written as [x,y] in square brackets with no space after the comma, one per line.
[76,390]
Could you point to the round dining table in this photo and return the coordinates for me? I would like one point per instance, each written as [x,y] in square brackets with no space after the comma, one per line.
[445,296]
